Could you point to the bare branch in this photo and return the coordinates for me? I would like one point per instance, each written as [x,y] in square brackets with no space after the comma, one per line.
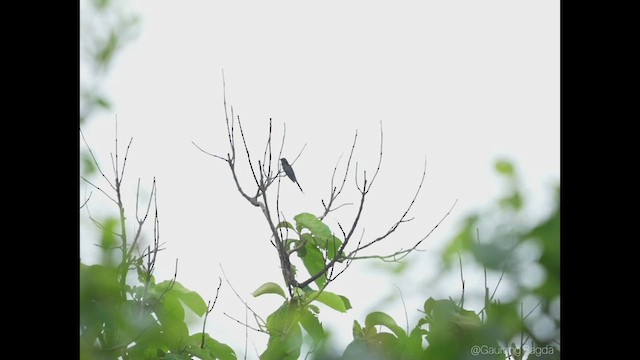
[300,153]
[241,299]
[226,116]
[152,198]
[86,201]
[246,148]
[404,306]
[209,309]
[208,153]
[379,161]
[124,162]
[95,161]
[267,150]
[334,190]
[402,218]
[99,189]
[244,324]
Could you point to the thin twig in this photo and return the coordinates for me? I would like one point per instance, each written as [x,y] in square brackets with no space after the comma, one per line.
[404,215]
[239,297]
[404,306]
[461,304]
[86,201]
[244,324]
[99,189]
[379,160]
[208,153]
[95,161]
[209,309]
[335,192]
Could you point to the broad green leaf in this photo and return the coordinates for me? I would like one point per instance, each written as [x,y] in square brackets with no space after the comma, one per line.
[269,288]
[313,260]
[99,283]
[310,239]
[313,224]
[347,303]
[466,320]
[192,299]
[312,326]
[299,293]
[503,320]
[212,348]
[380,318]
[173,330]
[285,335]
[357,331]
[333,244]
[285,224]
[332,300]
[172,356]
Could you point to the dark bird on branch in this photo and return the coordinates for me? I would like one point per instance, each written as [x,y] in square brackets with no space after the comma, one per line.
[289,171]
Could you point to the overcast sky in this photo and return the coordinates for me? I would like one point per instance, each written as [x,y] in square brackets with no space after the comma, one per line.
[460,83]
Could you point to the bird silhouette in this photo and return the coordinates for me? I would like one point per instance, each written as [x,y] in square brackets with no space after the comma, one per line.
[289,171]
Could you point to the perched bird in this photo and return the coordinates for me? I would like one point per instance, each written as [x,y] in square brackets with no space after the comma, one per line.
[289,171]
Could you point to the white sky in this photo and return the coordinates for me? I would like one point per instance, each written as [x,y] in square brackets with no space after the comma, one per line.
[461,83]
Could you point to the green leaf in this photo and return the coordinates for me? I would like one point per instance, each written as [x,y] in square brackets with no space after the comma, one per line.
[103,103]
[505,167]
[285,335]
[172,356]
[285,224]
[98,283]
[346,302]
[109,239]
[89,166]
[106,53]
[332,300]
[289,242]
[380,318]
[313,224]
[310,239]
[357,331]
[490,255]
[312,326]
[212,349]
[333,244]
[170,313]
[192,299]
[269,288]
[547,233]
[512,201]
[313,260]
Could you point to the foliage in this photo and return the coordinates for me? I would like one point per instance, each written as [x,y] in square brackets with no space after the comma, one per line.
[124,312]
[106,27]
[509,246]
